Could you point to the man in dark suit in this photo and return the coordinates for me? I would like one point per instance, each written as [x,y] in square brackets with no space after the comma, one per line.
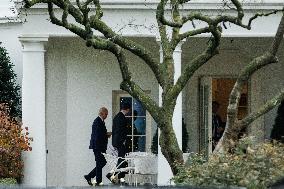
[217,125]
[119,134]
[98,142]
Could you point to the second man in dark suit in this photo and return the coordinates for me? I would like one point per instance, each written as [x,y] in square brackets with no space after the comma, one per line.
[119,134]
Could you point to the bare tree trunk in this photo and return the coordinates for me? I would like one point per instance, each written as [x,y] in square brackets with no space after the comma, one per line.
[170,148]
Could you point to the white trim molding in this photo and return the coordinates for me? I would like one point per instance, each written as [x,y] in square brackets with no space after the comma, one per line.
[192,5]
[34,37]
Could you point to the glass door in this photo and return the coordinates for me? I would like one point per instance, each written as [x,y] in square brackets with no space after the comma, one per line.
[139,123]
[205,116]
[214,91]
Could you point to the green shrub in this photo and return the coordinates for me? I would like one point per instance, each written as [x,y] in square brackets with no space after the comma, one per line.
[254,166]
[9,89]
[7,181]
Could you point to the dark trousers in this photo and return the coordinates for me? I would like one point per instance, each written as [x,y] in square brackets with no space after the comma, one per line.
[121,153]
[100,163]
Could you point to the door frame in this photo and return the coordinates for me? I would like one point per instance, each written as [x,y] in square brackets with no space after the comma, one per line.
[200,117]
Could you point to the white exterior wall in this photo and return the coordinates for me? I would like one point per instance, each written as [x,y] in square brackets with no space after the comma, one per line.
[79,81]
[272,86]
[56,119]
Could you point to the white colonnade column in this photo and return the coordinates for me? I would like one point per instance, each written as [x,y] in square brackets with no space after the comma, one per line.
[164,170]
[33,108]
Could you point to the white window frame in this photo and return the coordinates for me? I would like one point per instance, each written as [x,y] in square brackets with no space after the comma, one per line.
[116,95]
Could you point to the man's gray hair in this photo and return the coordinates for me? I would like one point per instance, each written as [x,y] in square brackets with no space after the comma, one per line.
[102,109]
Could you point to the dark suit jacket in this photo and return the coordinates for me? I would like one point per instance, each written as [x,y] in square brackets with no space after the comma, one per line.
[119,130]
[216,123]
[99,137]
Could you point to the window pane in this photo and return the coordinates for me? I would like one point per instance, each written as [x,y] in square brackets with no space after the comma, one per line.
[128,144]
[140,125]
[129,125]
[139,143]
[137,106]
[136,125]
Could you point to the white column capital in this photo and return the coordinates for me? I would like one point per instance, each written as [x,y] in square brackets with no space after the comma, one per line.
[179,45]
[158,38]
[33,42]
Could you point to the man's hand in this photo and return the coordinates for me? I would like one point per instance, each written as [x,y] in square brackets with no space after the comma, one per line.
[109,134]
[220,130]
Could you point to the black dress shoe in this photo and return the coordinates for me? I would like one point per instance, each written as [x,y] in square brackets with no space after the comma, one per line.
[88,180]
[99,184]
[109,176]
[122,182]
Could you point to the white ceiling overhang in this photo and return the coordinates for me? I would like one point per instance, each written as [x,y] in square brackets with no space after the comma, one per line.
[193,4]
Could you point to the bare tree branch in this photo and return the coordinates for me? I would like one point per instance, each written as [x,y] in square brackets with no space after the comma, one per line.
[261,14]
[65,15]
[30,3]
[238,20]
[259,62]
[239,9]
[104,44]
[160,15]
[79,4]
[187,34]
[211,21]
[87,2]
[197,62]
[276,100]
[233,125]
[133,47]
[81,17]
[183,1]
[176,18]
[252,67]
[134,90]
[278,37]
[75,29]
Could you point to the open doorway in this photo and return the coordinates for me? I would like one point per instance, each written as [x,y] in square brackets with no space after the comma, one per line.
[221,89]
[217,90]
